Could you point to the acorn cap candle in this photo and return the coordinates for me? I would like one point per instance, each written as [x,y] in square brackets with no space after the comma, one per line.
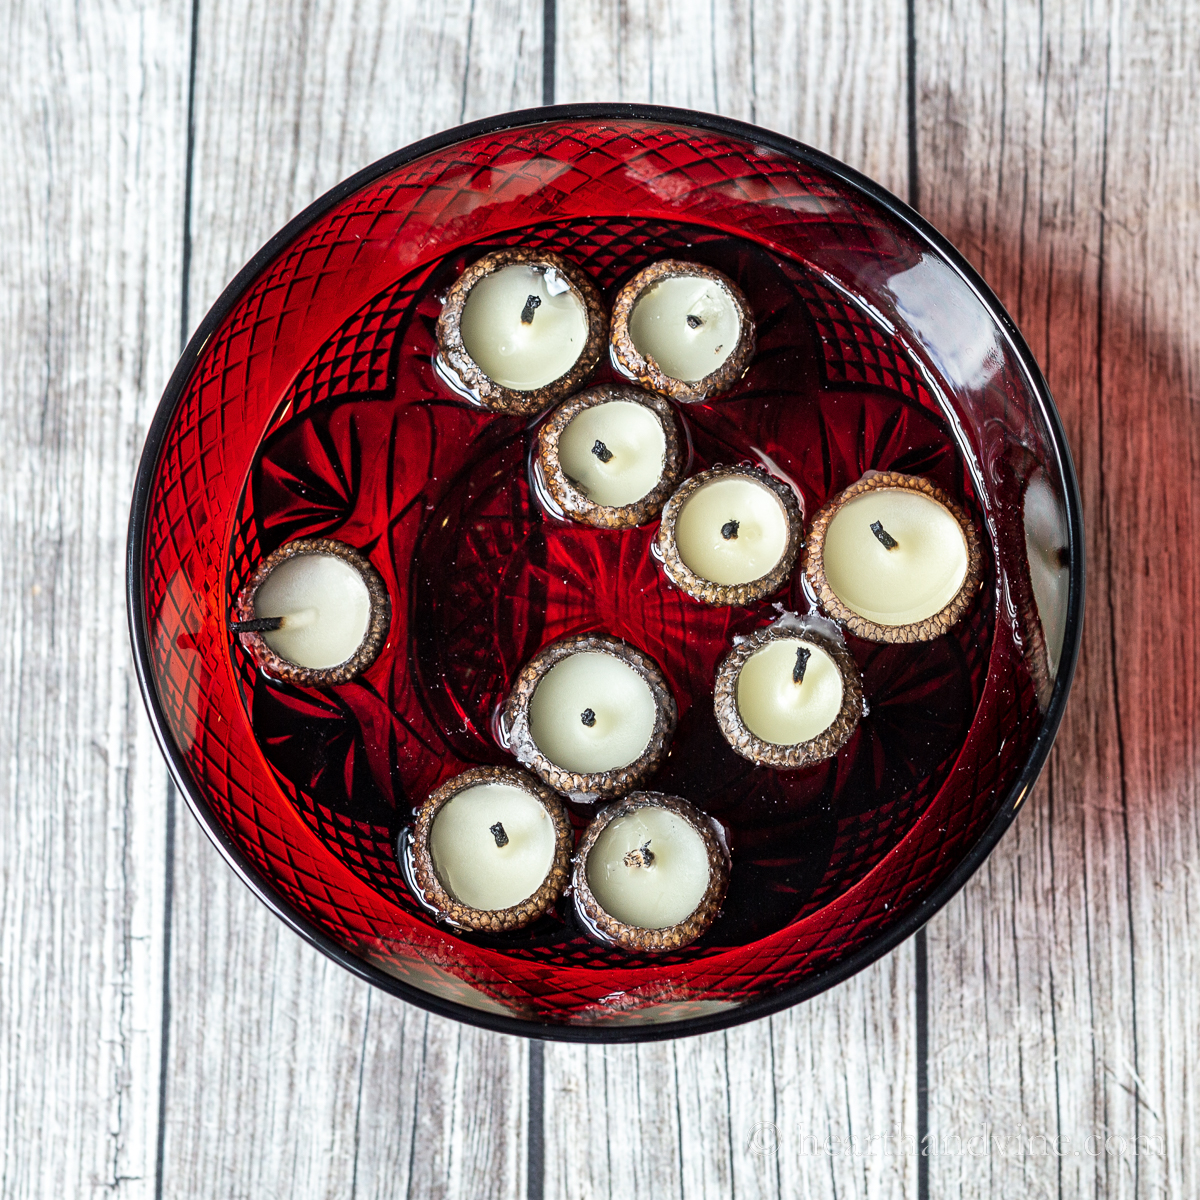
[314,613]
[788,695]
[730,535]
[682,329]
[521,329]
[894,558]
[491,849]
[610,456]
[591,716]
[650,874]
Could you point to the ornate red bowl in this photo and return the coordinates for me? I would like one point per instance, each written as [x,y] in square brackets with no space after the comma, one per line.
[307,405]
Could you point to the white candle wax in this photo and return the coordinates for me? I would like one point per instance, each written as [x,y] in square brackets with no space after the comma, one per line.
[325,608]
[661,894]
[752,517]
[913,580]
[688,324]
[778,708]
[469,863]
[592,713]
[523,326]
[631,434]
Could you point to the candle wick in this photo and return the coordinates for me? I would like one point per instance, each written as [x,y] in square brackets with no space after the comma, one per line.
[497,831]
[602,452]
[588,717]
[803,654]
[693,321]
[730,529]
[257,625]
[643,856]
[531,303]
[885,539]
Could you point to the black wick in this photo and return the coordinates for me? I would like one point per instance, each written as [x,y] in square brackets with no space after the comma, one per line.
[642,857]
[497,831]
[729,529]
[886,540]
[601,451]
[257,625]
[693,321]
[531,303]
[588,717]
[803,654]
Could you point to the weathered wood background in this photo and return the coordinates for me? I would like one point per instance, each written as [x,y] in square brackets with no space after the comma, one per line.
[162,1036]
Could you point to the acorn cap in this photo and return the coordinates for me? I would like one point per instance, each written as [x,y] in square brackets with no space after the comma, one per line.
[633,937]
[634,365]
[456,359]
[695,585]
[571,498]
[448,906]
[377,622]
[799,754]
[863,627]
[585,787]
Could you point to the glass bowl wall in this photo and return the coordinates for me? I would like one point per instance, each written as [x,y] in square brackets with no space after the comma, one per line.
[265,433]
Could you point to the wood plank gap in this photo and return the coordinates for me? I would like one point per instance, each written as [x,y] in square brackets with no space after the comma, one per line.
[549,48]
[164,1045]
[535,1135]
[920,956]
[186,260]
[160,1150]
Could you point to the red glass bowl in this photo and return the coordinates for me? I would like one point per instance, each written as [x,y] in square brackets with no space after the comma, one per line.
[307,404]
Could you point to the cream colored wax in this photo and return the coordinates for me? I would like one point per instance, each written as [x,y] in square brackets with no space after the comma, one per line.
[777,708]
[659,895]
[467,860]
[909,583]
[325,607]
[683,349]
[615,697]
[523,354]
[632,434]
[756,546]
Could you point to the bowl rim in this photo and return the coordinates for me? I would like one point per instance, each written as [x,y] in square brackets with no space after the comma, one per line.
[762,1006]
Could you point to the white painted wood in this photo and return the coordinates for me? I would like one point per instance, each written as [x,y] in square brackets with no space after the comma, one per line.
[287,1077]
[749,1112]
[92,121]
[1058,147]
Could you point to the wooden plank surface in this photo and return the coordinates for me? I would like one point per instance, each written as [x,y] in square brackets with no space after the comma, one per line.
[1057,145]
[92,122]
[736,1113]
[286,1076]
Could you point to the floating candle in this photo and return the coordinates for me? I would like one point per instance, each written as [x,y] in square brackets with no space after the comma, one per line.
[730,535]
[314,612]
[650,873]
[521,329]
[611,455]
[491,849]
[591,716]
[682,329]
[894,558]
[788,695]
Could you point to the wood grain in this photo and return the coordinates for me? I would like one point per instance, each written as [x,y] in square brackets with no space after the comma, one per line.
[287,1077]
[1058,149]
[767,1109]
[92,121]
